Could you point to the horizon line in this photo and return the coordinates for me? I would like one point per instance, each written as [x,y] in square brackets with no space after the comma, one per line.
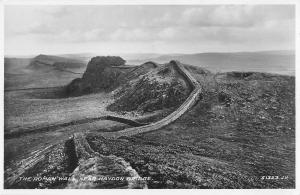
[118,53]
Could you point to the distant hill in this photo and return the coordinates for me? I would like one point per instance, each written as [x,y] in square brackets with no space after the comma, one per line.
[41,71]
[15,65]
[83,57]
[276,61]
[127,56]
[58,61]
[281,61]
[48,62]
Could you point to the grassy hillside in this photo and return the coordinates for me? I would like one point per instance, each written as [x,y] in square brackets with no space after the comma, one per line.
[41,62]
[242,130]
[16,65]
[159,88]
[40,71]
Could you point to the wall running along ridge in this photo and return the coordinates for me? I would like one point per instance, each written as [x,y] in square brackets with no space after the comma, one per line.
[187,104]
[37,156]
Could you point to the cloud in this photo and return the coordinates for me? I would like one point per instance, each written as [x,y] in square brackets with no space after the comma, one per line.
[234,16]
[94,34]
[126,34]
[168,33]
[242,25]
[243,16]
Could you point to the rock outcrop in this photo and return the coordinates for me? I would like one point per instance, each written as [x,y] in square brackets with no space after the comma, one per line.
[99,76]
[159,88]
[100,171]
[143,88]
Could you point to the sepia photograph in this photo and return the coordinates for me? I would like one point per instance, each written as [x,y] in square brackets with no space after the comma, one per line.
[149,96]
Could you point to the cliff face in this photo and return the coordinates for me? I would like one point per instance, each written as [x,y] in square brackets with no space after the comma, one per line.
[97,68]
[144,88]
[99,76]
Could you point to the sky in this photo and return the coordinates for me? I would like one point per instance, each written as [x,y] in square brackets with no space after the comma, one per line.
[104,29]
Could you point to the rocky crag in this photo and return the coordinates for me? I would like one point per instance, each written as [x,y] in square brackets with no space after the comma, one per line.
[161,87]
[143,88]
[99,76]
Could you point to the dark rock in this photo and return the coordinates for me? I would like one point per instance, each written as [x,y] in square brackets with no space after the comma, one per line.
[224,98]
[99,76]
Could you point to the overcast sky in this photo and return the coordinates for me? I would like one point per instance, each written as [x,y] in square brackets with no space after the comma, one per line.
[156,29]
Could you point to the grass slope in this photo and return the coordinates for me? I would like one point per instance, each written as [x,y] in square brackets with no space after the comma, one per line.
[241,131]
